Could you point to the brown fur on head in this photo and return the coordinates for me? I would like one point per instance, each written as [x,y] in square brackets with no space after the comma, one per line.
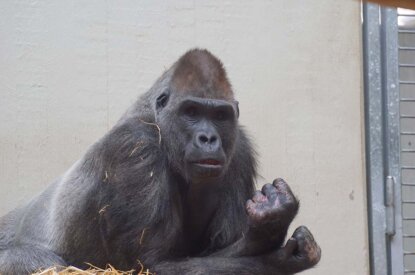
[201,74]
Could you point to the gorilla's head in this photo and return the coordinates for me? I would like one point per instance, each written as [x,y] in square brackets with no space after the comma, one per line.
[198,117]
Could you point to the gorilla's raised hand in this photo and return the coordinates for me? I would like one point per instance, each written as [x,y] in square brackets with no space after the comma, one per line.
[270,212]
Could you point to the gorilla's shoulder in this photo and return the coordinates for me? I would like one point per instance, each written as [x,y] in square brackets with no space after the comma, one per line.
[132,138]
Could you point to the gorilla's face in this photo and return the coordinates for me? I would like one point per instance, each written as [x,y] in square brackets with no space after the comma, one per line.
[201,134]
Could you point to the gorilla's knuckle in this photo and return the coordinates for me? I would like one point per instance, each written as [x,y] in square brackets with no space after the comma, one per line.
[249,203]
[303,229]
[267,187]
[280,181]
[314,254]
[250,208]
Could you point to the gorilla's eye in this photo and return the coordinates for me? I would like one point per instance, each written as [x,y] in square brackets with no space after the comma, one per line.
[162,100]
[191,111]
[220,115]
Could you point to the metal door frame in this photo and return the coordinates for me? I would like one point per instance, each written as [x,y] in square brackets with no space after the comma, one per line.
[381,84]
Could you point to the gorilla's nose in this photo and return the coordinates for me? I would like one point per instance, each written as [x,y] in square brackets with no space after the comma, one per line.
[206,140]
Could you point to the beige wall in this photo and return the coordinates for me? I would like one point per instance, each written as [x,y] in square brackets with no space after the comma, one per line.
[68,69]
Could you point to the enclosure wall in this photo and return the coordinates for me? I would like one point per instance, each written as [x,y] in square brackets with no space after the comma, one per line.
[69,69]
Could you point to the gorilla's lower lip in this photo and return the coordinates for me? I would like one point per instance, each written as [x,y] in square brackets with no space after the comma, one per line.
[205,165]
[207,169]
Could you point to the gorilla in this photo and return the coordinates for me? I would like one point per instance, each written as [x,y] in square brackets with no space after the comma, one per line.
[170,186]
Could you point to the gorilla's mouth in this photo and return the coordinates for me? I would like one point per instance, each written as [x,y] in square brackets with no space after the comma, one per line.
[207,168]
[209,162]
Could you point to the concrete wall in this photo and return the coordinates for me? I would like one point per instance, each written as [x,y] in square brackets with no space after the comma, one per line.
[68,69]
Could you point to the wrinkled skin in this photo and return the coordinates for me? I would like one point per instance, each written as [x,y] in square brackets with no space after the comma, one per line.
[171,186]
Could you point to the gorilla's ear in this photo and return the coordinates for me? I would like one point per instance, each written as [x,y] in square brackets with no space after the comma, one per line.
[237,108]
[161,101]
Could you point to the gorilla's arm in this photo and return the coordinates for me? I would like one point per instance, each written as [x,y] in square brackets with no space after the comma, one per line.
[300,252]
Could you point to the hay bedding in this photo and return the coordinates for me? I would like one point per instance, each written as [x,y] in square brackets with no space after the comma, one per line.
[93,270]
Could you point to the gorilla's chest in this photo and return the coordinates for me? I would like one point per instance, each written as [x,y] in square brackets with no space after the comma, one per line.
[199,210]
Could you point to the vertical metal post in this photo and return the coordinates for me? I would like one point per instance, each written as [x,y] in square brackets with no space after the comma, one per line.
[382,138]
[390,87]
[374,139]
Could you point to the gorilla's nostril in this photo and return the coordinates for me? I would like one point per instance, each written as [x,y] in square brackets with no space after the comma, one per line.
[213,139]
[203,138]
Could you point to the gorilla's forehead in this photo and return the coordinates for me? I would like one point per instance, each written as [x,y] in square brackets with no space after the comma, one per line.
[201,74]
[204,92]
